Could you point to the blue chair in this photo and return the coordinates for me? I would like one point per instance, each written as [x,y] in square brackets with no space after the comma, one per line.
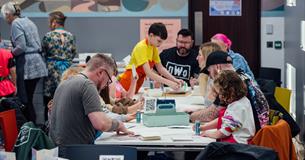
[92,152]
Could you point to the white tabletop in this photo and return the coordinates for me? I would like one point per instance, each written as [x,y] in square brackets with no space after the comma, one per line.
[170,136]
[184,102]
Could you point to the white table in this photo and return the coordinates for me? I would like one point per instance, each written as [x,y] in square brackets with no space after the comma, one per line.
[168,134]
[184,103]
[167,142]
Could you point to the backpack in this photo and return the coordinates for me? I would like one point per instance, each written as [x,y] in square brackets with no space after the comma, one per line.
[258,102]
[277,110]
[233,151]
[30,136]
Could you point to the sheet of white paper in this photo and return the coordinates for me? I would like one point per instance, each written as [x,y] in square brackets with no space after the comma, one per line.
[150,105]
[44,154]
[110,157]
[182,138]
[134,71]
[127,59]
[7,155]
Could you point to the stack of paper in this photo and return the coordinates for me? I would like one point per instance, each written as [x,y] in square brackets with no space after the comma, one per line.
[150,136]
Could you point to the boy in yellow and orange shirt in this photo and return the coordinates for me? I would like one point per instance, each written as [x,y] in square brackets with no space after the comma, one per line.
[145,56]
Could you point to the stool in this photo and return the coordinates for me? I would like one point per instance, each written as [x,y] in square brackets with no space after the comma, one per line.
[9,128]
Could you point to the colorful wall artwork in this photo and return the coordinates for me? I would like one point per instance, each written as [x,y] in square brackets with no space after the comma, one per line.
[68,5]
[108,8]
[274,5]
[225,8]
[274,8]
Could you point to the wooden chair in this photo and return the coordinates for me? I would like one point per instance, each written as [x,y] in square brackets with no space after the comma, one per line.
[277,137]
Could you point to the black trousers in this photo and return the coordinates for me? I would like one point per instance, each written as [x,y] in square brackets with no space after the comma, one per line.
[30,86]
[46,100]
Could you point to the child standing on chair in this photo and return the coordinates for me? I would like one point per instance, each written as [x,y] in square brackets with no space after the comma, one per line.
[145,56]
[235,123]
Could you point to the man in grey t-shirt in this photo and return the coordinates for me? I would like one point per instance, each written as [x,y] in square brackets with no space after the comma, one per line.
[77,112]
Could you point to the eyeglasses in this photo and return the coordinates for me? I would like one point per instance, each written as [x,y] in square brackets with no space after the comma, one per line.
[183,42]
[109,78]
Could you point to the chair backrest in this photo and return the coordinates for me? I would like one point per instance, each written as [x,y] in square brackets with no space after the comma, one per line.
[270,73]
[277,137]
[9,128]
[283,95]
[92,152]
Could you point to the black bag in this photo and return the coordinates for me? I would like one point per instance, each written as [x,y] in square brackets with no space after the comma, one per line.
[14,103]
[268,87]
[233,151]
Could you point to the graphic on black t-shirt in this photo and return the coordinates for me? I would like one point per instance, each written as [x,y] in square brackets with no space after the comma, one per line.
[178,70]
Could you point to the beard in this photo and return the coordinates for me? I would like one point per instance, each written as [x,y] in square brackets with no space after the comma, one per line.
[183,51]
[100,87]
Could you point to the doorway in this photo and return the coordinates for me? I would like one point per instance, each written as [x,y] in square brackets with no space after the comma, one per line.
[244,30]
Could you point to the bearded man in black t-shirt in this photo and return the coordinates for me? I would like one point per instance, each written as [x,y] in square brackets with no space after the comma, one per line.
[181,61]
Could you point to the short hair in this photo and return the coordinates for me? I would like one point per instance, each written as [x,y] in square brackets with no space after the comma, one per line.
[223,38]
[185,33]
[158,29]
[115,69]
[230,85]
[10,8]
[58,16]
[100,60]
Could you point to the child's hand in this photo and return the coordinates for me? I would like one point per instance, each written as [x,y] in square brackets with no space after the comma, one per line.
[214,92]
[140,105]
[181,82]
[203,134]
[193,82]
[174,86]
[50,105]
[193,127]
[201,128]
[157,84]
[141,99]
[131,116]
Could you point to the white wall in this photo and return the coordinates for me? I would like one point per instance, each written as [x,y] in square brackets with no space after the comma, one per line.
[271,57]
